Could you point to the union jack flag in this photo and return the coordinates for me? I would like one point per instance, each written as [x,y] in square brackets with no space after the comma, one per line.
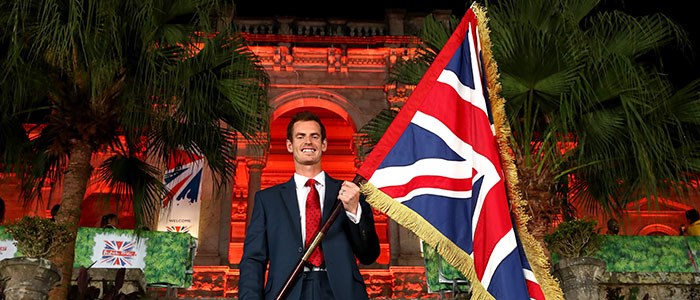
[118,253]
[439,164]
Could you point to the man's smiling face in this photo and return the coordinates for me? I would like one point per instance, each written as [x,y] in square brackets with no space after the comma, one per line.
[307,144]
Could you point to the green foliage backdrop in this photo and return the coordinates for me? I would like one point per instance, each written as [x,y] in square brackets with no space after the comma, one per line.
[648,253]
[168,254]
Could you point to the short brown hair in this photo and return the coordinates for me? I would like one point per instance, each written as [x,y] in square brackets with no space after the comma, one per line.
[305,116]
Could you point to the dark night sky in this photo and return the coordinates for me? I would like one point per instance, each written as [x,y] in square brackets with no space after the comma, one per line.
[357,9]
[682,65]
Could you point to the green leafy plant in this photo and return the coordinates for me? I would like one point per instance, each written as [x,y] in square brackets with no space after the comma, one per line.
[574,238]
[38,237]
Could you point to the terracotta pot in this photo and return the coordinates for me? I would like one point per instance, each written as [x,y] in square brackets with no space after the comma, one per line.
[579,277]
[28,278]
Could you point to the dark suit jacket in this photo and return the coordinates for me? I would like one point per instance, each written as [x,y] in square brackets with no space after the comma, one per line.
[274,236]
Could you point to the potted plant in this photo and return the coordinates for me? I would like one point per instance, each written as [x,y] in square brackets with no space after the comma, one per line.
[31,275]
[574,242]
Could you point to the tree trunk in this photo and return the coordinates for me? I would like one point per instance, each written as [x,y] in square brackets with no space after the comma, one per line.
[536,187]
[75,182]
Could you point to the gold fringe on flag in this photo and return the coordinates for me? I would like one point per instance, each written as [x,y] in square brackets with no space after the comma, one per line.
[538,261]
[414,222]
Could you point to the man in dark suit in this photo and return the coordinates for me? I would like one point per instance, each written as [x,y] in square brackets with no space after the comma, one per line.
[278,231]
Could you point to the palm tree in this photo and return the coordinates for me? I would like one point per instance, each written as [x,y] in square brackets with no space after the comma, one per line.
[594,122]
[136,79]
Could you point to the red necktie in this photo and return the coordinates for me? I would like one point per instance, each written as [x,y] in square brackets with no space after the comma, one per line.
[313,222]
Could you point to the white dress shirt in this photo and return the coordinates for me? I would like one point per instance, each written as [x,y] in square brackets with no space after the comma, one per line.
[303,191]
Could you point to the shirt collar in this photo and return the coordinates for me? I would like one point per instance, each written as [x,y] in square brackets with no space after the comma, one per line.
[300,180]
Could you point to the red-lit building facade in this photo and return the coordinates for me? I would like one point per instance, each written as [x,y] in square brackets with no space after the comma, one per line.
[338,69]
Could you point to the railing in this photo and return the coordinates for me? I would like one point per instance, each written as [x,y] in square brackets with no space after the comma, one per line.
[396,23]
[312,27]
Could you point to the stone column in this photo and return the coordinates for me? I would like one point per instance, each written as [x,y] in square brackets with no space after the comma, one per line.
[209,222]
[226,205]
[256,158]
[404,245]
[255,166]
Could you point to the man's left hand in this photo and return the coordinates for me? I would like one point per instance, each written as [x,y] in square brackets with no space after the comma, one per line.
[350,196]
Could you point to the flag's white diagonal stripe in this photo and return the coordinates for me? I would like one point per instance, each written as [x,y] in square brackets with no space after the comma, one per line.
[473,96]
[504,247]
[400,175]
[475,52]
[484,167]
[435,191]
[436,126]
[529,275]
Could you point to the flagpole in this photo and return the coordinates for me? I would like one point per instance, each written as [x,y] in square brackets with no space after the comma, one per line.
[337,208]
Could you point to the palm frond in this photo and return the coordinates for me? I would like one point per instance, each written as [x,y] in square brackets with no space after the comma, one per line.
[375,128]
[135,180]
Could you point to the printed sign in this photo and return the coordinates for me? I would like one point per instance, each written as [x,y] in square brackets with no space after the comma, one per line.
[119,251]
[180,208]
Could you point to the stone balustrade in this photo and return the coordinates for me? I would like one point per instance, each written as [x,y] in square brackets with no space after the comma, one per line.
[333,27]
[396,23]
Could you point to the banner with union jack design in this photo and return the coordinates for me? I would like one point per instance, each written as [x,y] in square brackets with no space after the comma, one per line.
[180,207]
[115,251]
[437,171]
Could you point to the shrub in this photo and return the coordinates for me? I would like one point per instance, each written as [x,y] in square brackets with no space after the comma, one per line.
[38,237]
[574,238]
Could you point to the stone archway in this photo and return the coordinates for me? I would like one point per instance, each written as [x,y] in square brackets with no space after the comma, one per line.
[657,229]
[319,99]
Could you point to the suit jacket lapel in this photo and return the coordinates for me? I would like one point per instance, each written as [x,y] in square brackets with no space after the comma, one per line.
[332,189]
[289,197]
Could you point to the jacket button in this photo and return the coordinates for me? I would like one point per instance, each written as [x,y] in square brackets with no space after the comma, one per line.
[300,249]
